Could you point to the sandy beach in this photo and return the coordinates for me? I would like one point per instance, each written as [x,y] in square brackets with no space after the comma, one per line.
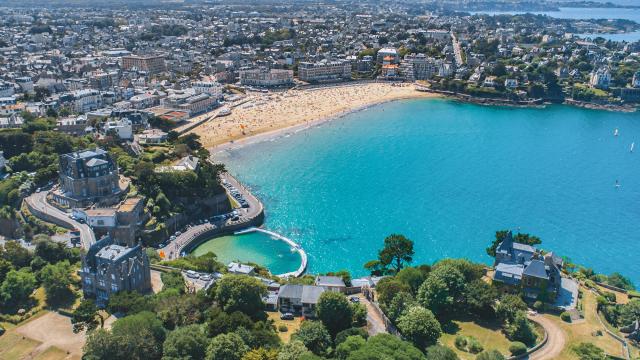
[271,113]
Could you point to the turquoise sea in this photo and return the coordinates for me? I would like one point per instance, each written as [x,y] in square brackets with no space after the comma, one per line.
[448,175]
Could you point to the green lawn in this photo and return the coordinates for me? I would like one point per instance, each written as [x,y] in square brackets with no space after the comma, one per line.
[52,353]
[488,334]
[14,346]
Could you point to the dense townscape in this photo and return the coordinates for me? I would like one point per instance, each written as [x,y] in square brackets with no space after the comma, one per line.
[109,114]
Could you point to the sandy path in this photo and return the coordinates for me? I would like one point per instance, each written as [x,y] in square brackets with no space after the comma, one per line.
[273,111]
[555,343]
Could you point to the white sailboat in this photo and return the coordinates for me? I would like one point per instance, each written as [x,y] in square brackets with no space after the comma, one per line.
[615,132]
[633,144]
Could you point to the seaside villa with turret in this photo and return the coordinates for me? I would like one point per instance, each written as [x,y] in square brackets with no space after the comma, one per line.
[524,268]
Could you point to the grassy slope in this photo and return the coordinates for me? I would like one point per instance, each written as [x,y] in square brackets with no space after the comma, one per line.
[489,335]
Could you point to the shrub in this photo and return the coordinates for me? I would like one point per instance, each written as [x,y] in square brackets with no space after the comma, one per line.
[283,328]
[538,305]
[565,316]
[609,296]
[474,346]
[517,348]
[461,342]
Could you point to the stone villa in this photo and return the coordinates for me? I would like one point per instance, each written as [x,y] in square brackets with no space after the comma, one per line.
[88,177]
[108,268]
[520,265]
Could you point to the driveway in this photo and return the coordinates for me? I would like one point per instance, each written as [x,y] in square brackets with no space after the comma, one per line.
[555,342]
[375,324]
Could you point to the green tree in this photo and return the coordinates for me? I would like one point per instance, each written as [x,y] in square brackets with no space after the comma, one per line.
[185,343]
[102,345]
[51,251]
[179,310]
[509,306]
[334,311]
[398,305]
[57,280]
[354,331]
[617,280]
[142,333]
[5,267]
[293,350]
[443,290]
[388,288]
[128,303]
[589,351]
[220,322]
[386,346]
[314,336]
[226,347]
[420,326]
[479,298]
[241,293]
[261,354]
[490,355]
[397,251]
[351,344]
[629,312]
[359,317]
[13,252]
[520,237]
[439,352]
[412,277]
[173,280]
[86,317]
[470,271]
[17,287]
[521,329]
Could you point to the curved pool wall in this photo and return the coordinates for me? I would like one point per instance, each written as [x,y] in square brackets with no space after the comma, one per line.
[278,254]
[448,175]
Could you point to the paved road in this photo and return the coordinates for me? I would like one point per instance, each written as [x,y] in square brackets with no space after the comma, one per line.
[555,343]
[39,202]
[175,247]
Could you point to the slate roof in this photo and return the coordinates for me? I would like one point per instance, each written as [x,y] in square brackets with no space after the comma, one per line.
[536,268]
[329,281]
[311,294]
[291,291]
[509,273]
[308,294]
[96,162]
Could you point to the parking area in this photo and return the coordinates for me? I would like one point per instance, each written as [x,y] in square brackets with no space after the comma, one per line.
[200,280]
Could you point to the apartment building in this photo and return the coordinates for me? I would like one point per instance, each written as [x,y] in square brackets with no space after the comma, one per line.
[151,64]
[266,78]
[324,71]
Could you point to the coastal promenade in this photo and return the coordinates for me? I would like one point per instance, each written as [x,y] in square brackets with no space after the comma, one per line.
[196,234]
[248,221]
[40,208]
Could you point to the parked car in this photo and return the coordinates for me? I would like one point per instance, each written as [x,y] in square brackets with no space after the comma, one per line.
[286,316]
[354,299]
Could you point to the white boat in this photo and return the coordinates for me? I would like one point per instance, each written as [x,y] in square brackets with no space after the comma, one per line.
[632,146]
[615,132]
